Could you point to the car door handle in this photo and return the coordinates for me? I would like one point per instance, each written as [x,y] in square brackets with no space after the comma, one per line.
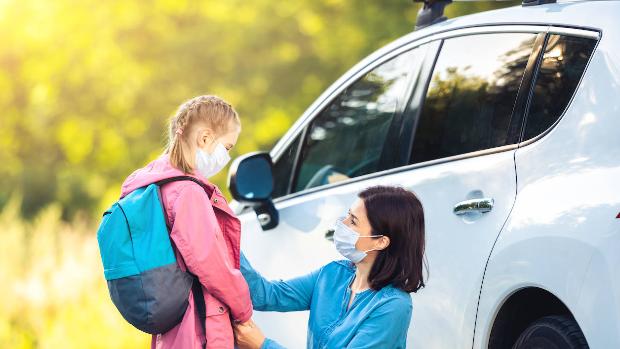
[329,235]
[482,205]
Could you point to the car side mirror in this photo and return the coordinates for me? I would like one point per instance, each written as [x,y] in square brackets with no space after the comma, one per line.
[250,181]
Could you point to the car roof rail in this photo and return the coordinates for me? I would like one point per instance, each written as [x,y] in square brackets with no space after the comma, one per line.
[431,13]
[537,2]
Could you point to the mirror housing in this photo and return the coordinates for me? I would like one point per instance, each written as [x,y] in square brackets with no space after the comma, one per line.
[250,181]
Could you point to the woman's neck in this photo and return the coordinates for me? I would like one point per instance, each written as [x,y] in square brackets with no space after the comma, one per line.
[362,270]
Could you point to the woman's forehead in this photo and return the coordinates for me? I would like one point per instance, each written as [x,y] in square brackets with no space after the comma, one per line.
[358,209]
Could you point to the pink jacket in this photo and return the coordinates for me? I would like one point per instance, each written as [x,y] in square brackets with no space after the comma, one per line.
[206,238]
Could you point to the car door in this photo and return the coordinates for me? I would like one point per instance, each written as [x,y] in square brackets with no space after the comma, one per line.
[462,169]
[318,173]
[453,146]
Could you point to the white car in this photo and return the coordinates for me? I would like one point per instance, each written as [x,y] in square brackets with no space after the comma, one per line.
[506,124]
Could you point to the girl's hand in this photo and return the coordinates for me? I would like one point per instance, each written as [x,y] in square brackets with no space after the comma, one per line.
[248,335]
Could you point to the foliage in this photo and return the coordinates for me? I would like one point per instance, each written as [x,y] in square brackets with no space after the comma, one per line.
[88,86]
[54,294]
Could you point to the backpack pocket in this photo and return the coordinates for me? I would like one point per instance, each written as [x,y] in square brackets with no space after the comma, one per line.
[153,301]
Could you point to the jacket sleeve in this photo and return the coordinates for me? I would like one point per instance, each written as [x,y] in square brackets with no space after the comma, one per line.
[385,327]
[197,236]
[283,295]
[271,344]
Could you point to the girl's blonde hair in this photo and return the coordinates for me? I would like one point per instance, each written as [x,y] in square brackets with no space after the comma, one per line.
[212,111]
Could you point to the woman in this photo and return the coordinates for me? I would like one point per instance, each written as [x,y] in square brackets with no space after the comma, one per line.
[363,302]
[204,231]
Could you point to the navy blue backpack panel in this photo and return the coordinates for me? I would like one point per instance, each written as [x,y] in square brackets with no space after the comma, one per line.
[145,282]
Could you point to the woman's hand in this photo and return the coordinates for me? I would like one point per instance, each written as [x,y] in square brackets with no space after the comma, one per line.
[248,335]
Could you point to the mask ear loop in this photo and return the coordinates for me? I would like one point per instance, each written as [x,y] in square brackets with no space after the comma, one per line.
[341,220]
[371,236]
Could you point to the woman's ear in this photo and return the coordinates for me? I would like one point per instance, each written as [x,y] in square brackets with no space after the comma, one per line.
[383,242]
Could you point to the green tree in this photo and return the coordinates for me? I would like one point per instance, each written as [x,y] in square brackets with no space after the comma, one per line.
[88,86]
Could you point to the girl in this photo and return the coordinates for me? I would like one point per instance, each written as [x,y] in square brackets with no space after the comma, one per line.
[204,231]
[360,303]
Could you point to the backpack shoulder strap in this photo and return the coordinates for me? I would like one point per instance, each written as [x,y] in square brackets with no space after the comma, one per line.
[199,300]
[176,179]
[183,178]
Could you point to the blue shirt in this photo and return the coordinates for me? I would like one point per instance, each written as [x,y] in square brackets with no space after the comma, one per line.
[375,319]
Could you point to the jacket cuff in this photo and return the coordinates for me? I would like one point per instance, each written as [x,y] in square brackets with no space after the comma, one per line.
[244,316]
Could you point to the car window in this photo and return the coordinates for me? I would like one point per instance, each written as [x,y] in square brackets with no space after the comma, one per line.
[347,138]
[283,168]
[471,95]
[561,68]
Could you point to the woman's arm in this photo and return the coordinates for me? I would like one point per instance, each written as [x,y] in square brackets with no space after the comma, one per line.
[271,344]
[195,233]
[290,295]
[386,327]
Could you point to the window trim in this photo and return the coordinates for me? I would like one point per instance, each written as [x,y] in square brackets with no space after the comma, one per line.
[379,57]
[524,95]
[412,112]
[301,136]
[296,168]
[372,62]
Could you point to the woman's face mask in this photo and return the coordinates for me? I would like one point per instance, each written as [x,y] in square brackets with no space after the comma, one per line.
[345,239]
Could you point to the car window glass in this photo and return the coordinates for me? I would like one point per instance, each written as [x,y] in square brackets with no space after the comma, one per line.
[561,68]
[346,139]
[471,95]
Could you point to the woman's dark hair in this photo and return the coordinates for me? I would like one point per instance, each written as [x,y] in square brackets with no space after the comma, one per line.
[398,214]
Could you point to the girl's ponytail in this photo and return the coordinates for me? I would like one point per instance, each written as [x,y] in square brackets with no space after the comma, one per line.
[175,141]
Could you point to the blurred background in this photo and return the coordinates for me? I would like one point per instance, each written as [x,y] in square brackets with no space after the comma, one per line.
[87,89]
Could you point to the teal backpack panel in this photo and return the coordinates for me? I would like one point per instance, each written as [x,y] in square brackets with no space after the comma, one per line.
[115,245]
[151,242]
[133,236]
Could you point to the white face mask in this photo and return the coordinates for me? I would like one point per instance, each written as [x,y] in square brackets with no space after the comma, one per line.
[345,239]
[210,164]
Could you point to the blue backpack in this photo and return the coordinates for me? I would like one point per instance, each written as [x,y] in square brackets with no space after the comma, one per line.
[146,285]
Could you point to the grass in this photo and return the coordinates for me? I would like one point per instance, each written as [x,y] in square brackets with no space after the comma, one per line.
[53,291]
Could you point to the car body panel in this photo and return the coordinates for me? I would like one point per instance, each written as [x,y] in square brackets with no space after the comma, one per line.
[561,235]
